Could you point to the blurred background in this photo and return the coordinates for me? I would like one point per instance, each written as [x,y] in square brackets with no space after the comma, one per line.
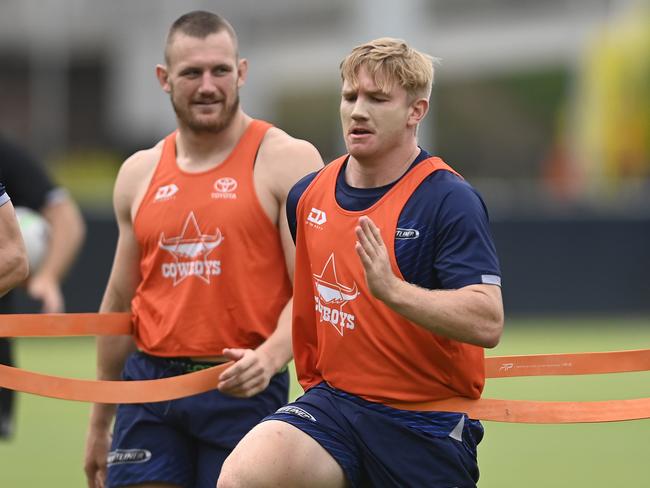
[543,106]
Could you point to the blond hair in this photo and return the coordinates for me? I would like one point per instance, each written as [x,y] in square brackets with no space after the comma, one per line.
[391,61]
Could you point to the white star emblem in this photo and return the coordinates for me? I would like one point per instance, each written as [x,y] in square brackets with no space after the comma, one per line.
[190,246]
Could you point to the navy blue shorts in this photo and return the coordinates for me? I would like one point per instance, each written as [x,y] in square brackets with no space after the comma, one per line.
[379,446]
[185,441]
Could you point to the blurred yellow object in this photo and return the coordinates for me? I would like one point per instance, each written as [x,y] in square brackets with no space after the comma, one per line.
[612,131]
[89,177]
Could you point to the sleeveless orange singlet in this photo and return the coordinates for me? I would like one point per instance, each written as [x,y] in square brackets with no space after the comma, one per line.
[213,270]
[345,336]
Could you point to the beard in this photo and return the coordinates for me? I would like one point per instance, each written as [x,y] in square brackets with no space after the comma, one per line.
[213,123]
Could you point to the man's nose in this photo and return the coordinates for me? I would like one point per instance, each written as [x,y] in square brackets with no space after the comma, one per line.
[207,83]
[359,110]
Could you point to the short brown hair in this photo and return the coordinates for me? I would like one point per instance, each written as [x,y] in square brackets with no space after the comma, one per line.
[391,61]
[199,24]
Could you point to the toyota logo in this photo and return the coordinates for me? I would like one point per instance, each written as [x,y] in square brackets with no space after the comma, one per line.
[225,185]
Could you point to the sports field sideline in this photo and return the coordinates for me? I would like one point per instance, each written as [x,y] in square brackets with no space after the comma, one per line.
[49,442]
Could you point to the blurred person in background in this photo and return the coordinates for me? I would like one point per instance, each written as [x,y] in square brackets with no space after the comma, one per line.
[30,186]
[13,257]
[396,293]
[203,263]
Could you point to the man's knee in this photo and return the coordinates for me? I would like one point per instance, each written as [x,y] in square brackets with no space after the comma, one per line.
[258,460]
[233,475]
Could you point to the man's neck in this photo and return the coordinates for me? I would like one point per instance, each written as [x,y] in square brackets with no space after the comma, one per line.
[380,171]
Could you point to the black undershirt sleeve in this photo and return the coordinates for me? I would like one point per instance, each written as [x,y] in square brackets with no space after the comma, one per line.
[25,180]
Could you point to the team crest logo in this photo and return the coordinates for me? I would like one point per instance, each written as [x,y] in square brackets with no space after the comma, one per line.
[332,297]
[190,251]
[224,188]
[166,192]
[317,217]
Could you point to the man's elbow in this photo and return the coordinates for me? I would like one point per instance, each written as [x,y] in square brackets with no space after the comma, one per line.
[492,339]
[492,315]
[17,268]
[492,330]
[21,267]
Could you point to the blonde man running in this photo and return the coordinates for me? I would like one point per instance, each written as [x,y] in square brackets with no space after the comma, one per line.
[396,293]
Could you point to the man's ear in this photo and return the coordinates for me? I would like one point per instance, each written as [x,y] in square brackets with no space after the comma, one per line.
[163,77]
[242,72]
[418,110]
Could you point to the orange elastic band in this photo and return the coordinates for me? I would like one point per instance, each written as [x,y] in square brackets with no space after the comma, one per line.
[533,412]
[88,324]
[111,391]
[28,325]
[567,364]
[65,324]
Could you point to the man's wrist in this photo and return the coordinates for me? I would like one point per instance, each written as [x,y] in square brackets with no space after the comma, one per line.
[273,360]
[393,293]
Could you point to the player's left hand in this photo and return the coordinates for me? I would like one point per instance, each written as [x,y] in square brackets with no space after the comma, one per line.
[374,257]
[250,374]
[47,290]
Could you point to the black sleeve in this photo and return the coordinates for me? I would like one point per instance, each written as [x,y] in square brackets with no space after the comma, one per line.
[24,178]
[292,201]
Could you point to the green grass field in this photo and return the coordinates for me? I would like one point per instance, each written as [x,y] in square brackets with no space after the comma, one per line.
[48,447]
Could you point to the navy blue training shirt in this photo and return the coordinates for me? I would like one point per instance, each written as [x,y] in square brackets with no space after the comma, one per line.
[444,223]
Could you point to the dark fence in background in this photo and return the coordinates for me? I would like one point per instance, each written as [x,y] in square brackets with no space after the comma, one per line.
[549,267]
[574,266]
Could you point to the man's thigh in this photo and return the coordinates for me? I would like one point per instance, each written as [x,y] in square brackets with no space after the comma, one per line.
[276,453]
[378,446]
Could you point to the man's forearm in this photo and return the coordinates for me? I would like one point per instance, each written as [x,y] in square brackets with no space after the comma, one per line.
[278,345]
[67,232]
[112,352]
[472,314]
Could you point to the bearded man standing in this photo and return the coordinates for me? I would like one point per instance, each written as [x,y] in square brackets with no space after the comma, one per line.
[203,262]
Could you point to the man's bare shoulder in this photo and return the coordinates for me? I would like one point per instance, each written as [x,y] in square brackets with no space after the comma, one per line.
[278,144]
[141,162]
[286,158]
[135,174]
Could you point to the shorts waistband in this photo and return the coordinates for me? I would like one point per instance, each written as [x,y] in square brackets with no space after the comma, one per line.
[188,365]
[185,364]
